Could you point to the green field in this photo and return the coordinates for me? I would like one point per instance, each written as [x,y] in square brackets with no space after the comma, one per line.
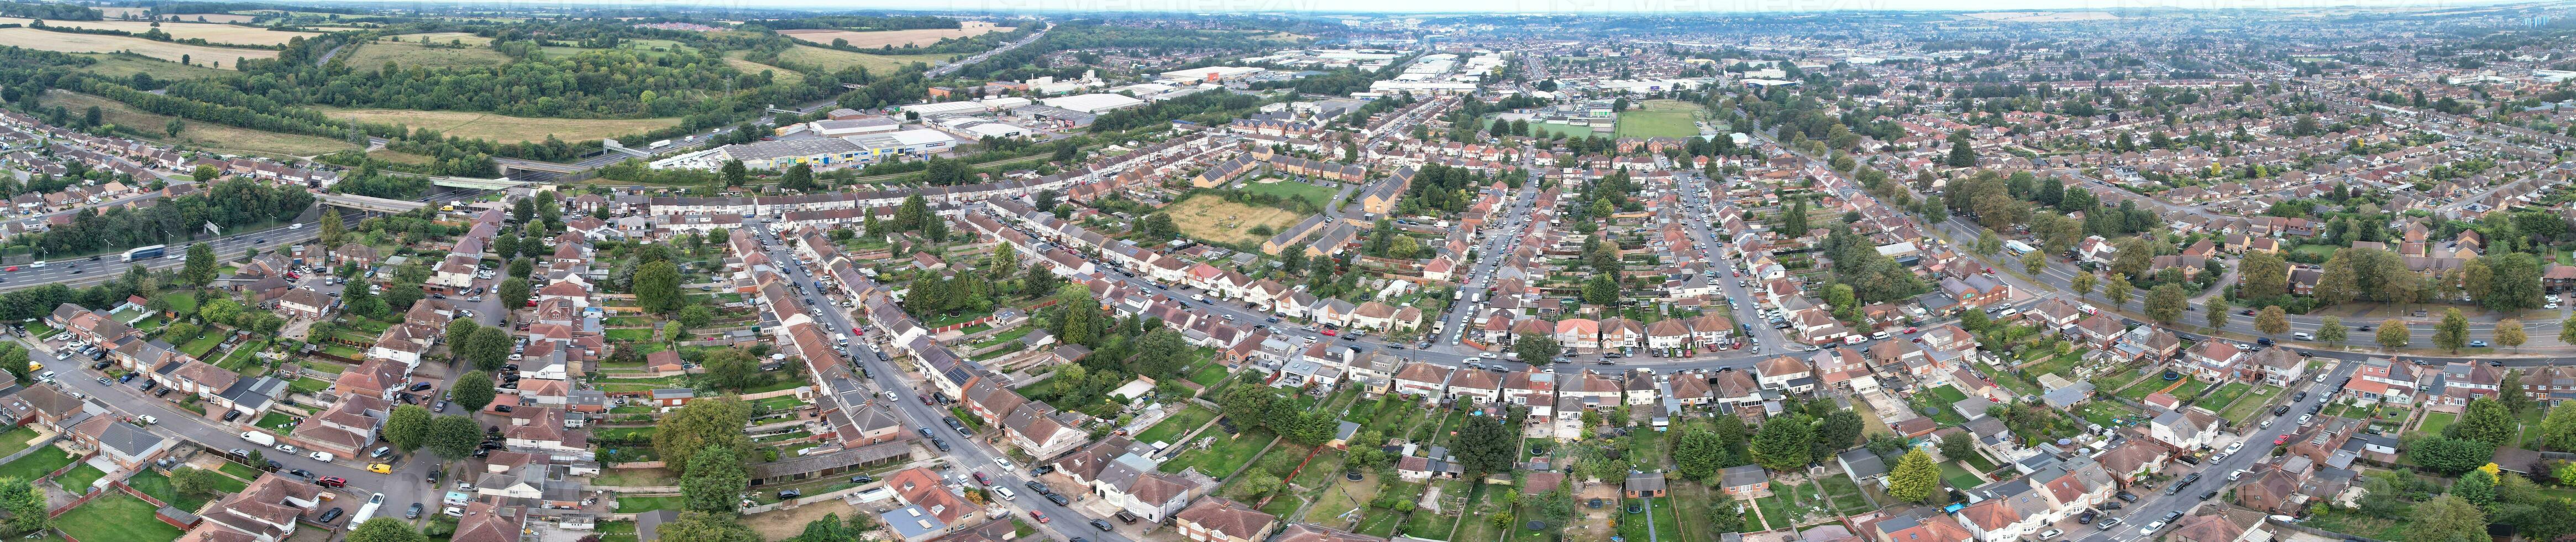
[1660,118]
[372,56]
[1224,456]
[834,60]
[152,482]
[115,517]
[79,478]
[15,439]
[1178,424]
[1287,189]
[629,505]
[35,465]
[2435,421]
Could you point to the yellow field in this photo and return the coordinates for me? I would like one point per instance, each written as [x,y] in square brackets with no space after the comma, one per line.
[442,38]
[89,43]
[126,66]
[121,13]
[834,60]
[1211,217]
[215,33]
[215,17]
[373,55]
[202,134]
[898,38]
[504,128]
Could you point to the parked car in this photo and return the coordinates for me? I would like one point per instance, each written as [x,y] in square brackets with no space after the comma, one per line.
[333,514]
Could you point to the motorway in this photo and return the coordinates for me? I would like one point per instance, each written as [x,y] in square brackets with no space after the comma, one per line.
[969,454]
[95,269]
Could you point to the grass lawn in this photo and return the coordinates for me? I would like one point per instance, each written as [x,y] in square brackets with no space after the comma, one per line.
[2190,388]
[2344,521]
[2225,396]
[1210,375]
[80,477]
[629,505]
[1224,456]
[116,517]
[1699,501]
[1845,494]
[242,358]
[1665,515]
[1323,469]
[241,471]
[1286,189]
[2139,391]
[1660,118]
[1941,412]
[635,478]
[16,439]
[2107,413]
[276,420]
[151,482]
[1382,522]
[2435,421]
[308,384]
[1776,507]
[2115,381]
[1958,476]
[1474,525]
[1179,423]
[1948,394]
[2245,409]
[204,343]
[35,465]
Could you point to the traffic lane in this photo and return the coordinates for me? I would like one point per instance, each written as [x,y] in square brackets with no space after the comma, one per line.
[86,270]
[216,438]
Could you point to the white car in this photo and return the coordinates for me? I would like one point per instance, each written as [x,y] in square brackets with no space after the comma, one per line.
[288,448]
[147,419]
[2233,476]
[2051,533]
[2150,529]
[1005,463]
[2232,448]
[325,457]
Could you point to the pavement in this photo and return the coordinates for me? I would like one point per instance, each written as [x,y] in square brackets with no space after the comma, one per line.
[2153,504]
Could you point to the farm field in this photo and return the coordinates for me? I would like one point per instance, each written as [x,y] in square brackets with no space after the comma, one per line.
[835,60]
[135,12]
[89,43]
[504,128]
[441,38]
[1212,218]
[214,33]
[784,75]
[115,65]
[203,134]
[372,55]
[1660,118]
[898,38]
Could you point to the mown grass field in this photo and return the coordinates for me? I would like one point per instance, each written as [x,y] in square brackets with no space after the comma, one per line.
[898,38]
[407,54]
[113,65]
[202,134]
[94,43]
[211,32]
[834,60]
[504,128]
[1660,118]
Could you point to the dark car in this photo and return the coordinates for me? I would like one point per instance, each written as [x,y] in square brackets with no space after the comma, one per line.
[2205,495]
[333,514]
[332,481]
[272,465]
[2087,517]
[230,415]
[790,493]
[2126,496]
[413,512]
[942,444]
[2302,396]
[301,473]
[1100,524]
[1125,516]
[2113,505]
[1058,499]
[1033,485]
[501,408]
[148,385]
[861,479]
[100,366]
[420,386]
[2279,410]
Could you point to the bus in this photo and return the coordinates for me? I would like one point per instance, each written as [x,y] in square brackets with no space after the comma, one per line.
[146,253]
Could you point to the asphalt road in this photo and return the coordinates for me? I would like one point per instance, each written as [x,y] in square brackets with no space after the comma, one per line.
[2155,503]
[969,454]
[86,271]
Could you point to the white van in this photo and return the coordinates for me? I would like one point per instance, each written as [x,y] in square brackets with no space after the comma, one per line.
[1005,493]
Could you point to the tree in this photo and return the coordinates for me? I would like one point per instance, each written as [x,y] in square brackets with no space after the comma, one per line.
[14,359]
[488,348]
[2262,275]
[2453,332]
[2033,261]
[200,269]
[734,174]
[2166,302]
[2117,290]
[695,526]
[2215,312]
[331,231]
[385,528]
[25,505]
[2566,334]
[714,481]
[657,287]
[1534,349]
[1698,454]
[454,437]
[2084,283]
[198,482]
[514,291]
[2393,334]
[2509,333]
[2558,431]
[2330,330]
[400,297]
[473,390]
[1839,430]
[2485,421]
[1785,443]
[1957,446]
[2447,518]
[1915,478]
[2131,257]
[2271,321]
[2450,456]
[460,331]
[1254,485]
[703,423]
[407,427]
[1485,446]
[2476,486]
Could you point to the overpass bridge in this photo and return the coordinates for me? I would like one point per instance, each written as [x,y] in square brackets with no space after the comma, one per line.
[369,203]
[469,183]
[517,168]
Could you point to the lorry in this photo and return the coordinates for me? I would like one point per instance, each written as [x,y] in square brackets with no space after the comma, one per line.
[263,439]
[368,511]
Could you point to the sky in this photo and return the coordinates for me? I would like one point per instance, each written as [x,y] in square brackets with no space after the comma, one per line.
[1641,7]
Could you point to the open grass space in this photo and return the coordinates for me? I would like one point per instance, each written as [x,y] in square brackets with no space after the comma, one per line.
[1958,476]
[898,38]
[1660,118]
[212,33]
[834,60]
[629,505]
[1178,424]
[16,439]
[100,43]
[152,482]
[35,465]
[2251,405]
[1222,457]
[2226,396]
[79,478]
[1285,189]
[504,128]
[116,517]
[122,66]
[202,134]
[1845,494]
[2435,421]
[1212,218]
[409,54]
[241,471]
